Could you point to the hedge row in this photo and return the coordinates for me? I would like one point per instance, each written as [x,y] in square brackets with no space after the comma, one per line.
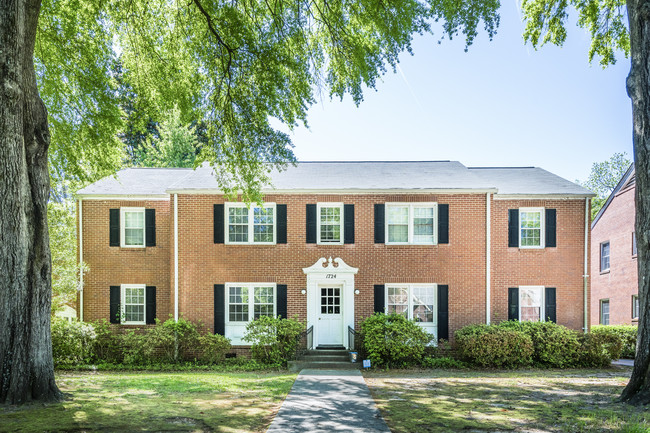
[627,334]
[516,344]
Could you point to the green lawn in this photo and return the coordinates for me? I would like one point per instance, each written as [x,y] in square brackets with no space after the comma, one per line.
[170,402]
[521,401]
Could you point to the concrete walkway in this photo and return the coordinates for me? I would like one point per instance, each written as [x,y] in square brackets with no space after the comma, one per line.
[329,401]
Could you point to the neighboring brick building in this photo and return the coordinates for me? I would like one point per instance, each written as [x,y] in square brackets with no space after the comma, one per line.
[614,281]
[335,242]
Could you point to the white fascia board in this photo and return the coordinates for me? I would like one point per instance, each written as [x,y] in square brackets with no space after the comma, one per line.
[163,197]
[542,196]
[346,191]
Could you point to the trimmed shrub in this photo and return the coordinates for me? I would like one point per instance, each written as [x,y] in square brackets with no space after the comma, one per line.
[554,345]
[627,334]
[599,349]
[393,340]
[134,349]
[107,347]
[273,340]
[443,362]
[494,346]
[72,342]
[171,341]
[213,348]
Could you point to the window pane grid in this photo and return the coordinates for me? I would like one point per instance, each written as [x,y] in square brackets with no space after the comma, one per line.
[423,225]
[423,300]
[238,304]
[635,306]
[263,224]
[531,228]
[262,302]
[398,224]
[134,304]
[530,304]
[238,224]
[134,228]
[330,224]
[330,300]
[604,256]
[398,300]
[604,312]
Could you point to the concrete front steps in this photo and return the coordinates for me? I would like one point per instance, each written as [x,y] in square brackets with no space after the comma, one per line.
[325,358]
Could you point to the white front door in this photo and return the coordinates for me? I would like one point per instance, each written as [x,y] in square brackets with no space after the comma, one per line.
[330,317]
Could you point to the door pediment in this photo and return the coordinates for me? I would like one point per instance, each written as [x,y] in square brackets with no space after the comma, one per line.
[327,266]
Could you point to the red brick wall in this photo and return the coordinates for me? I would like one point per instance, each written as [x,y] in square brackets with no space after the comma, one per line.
[460,264]
[561,267]
[112,266]
[615,225]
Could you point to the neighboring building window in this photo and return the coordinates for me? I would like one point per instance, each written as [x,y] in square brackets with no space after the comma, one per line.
[531,227]
[414,301]
[250,226]
[635,306]
[604,311]
[634,252]
[247,302]
[330,223]
[132,233]
[604,256]
[531,303]
[133,304]
[411,223]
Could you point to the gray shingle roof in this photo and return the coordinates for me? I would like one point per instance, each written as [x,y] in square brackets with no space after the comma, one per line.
[348,176]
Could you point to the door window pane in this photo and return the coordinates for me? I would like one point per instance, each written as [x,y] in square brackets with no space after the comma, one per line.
[330,300]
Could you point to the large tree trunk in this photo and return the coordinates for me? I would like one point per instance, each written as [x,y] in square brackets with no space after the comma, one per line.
[637,390]
[26,369]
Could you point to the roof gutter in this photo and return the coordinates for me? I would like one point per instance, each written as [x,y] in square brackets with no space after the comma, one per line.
[346,191]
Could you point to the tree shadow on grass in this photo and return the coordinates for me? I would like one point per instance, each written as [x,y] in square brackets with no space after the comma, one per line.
[493,404]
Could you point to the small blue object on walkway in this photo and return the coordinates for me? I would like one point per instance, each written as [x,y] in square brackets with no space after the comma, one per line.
[624,362]
[329,401]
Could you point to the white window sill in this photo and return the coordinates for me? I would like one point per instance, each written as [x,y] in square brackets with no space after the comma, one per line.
[604,272]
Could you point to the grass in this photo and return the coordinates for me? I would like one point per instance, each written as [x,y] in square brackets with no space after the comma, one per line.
[520,401]
[170,402]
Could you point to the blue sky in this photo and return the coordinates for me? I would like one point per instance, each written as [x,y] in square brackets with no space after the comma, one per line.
[500,104]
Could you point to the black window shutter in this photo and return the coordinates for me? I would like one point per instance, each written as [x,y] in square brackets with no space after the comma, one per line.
[281,305]
[281,229]
[379,298]
[348,223]
[380,228]
[550,305]
[311,224]
[151,305]
[513,228]
[443,223]
[219,223]
[150,227]
[551,224]
[114,216]
[443,312]
[115,300]
[513,303]
[220,309]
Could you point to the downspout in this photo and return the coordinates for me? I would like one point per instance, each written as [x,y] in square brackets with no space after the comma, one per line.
[81,262]
[488,242]
[585,274]
[176,257]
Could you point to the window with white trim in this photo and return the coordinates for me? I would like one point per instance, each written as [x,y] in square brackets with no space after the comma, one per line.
[250,301]
[634,250]
[411,223]
[132,233]
[635,306]
[531,227]
[254,225]
[531,304]
[604,311]
[414,301]
[133,304]
[330,223]
[604,256]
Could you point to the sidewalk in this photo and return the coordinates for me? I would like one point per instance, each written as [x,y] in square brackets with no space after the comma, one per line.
[329,401]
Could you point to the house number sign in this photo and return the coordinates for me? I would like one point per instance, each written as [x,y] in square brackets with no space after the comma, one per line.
[330,276]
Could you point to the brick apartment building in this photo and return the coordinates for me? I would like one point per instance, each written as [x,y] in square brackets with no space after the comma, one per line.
[614,281]
[333,242]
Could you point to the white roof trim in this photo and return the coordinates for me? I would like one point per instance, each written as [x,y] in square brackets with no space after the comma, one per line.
[350,191]
[542,196]
[163,197]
